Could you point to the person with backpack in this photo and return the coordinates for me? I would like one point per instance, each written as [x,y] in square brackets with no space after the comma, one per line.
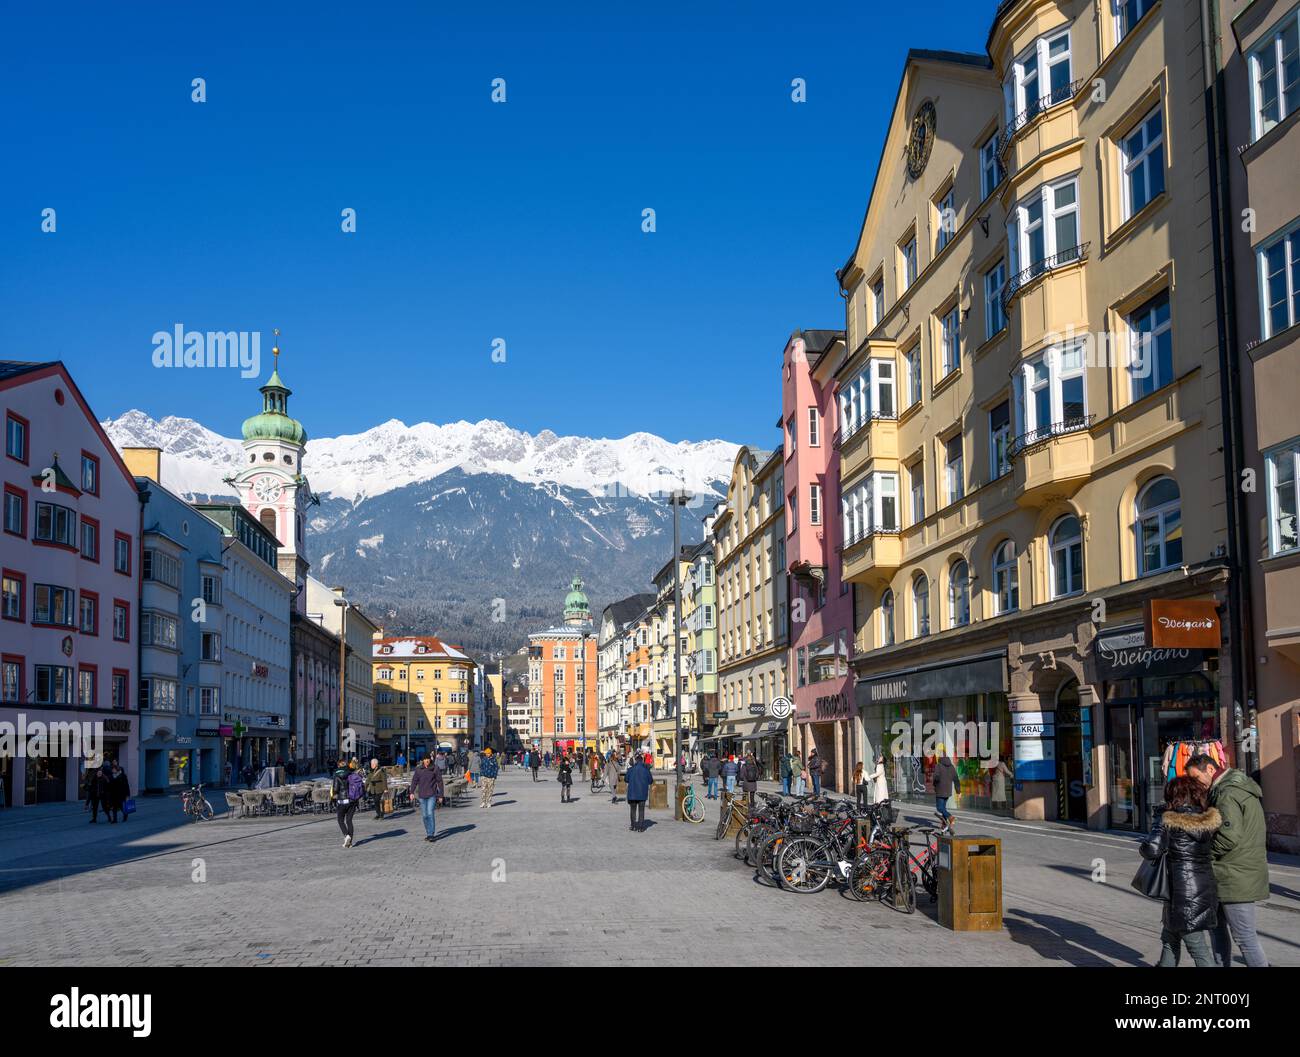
[565,778]
[347,789]
[427,789]
[816,768]
[749,777]
[535,762]
[1184,836]
[377,787]
[639,777]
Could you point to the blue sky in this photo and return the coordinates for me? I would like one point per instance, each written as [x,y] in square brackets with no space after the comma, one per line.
[475,220]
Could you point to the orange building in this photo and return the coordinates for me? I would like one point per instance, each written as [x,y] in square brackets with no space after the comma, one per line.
[562,677]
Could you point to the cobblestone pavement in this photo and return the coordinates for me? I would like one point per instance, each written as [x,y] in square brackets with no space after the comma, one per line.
[574,887]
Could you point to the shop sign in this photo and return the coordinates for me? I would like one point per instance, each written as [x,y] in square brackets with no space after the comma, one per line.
[832,706]
[1182,624]
[1032,725]
[719,716]
[209,732]
[780,708]
[758,708]
[1126,654]
[1035,759]
[226,732]
[117,726]
[984,676]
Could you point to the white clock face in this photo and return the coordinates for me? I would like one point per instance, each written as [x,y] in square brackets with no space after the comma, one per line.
[267,489]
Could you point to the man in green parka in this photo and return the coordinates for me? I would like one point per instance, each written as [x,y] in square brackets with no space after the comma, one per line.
[1240,857]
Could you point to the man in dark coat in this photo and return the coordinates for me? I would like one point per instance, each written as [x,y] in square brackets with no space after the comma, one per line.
[95,790]
[638,778]
[946,780]
[117,794]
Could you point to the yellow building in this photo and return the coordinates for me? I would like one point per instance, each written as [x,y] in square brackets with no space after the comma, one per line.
[1028,404]
[424,696]
[664,687]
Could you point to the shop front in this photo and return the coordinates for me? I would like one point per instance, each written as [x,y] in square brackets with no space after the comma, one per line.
[764,734]
[915,716]
[1162,705]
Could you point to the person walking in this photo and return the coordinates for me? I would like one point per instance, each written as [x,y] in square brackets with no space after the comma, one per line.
[475,766]
[565,777]
[712,768]
[796,773]
[117,793]
[639,777]
[880,784]
[611,777]
[347,796]
[815,772]
[535,762]
[1240,857]
[749,778]
[488,768]
[377,787]
[1184,834]
[860,785]
[785,774]
[946,780]
[95,789]
[427,789]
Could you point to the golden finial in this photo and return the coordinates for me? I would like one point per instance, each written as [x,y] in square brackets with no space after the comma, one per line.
[275,349]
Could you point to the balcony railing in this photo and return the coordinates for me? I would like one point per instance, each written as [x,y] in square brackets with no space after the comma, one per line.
[1073,424]
[845,432]
[1038,269]
[1026,117]
[853,538]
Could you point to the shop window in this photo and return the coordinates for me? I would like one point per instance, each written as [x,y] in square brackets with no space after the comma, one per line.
[1159,527]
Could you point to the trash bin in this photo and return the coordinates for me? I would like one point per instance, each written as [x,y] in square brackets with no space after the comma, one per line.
[970,883]
[620,788]
[658,793]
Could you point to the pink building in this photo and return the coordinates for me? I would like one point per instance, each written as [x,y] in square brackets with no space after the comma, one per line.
[821,604]
[71,583]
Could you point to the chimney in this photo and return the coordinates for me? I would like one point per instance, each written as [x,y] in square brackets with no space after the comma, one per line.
[144,462]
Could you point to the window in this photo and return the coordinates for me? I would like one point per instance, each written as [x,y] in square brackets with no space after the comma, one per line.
[887,618]
[1141,154]
[1040,78]
[1006,578]
[945,221]
[878,302]
[86,686]
[56,524]
[16,436]
[990,167]
[210,647]
[121,621]
[954,468]
[1043,229]
[995,285]
[160,568]
[1066,543]
[1159,527]
[1283,472]
[158,629]
[907,270]
[917,474]
[53,605]
[1279,281]
[89,473]
[53,685]
[814,428]
[949,342]
[13,589]
[870,506]
[11,680]
[921,606]
[958,594]
[212,591]
[1050,395]
[122,553]
[89,622]
[1151,352]
[793,499]
[869,394]
[1000,439]
[210,703]
[158,694]
[119,688]
[882,387]
[815,504]
[790,434]
[1128,13]
[912,361]
[15,512]
[1275,75]
[89,538]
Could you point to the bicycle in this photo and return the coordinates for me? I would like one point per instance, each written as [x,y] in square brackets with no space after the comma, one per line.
[597,782]
[195,804]
[891,871]
[807,862]
[731,809]
[692,806]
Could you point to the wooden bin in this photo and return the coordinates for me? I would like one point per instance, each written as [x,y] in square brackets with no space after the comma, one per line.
[970,883]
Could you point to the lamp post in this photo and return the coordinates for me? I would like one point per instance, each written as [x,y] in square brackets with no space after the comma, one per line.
[343,605]
[678,498]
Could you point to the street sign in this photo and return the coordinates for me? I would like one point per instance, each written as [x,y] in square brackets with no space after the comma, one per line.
[719,715]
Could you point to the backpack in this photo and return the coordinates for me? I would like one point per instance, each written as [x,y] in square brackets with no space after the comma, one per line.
[355,785]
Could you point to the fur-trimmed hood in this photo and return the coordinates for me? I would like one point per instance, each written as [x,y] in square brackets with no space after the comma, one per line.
[1196,823]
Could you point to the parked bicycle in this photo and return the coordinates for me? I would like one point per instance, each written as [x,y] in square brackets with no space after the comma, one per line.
[195,805]
[692,806]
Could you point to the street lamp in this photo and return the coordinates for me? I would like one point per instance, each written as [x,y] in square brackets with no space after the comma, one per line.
[678,499]
[343,605]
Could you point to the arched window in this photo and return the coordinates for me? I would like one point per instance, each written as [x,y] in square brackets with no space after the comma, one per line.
[1066,542]
[1006,578]
[267,518]
[921,605]
[1159,527]
[887,618]
[958,594]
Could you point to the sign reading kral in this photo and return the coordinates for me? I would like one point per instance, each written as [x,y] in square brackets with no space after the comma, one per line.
[1182,624]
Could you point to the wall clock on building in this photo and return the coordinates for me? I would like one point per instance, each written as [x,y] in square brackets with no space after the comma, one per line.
[267,489]
[920,140]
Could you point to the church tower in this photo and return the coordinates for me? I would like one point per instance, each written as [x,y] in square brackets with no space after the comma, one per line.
[271,484]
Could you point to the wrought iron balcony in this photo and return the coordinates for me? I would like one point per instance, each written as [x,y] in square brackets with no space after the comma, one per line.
[1040,268]
[1026,117]
[1034,437]
[845,432]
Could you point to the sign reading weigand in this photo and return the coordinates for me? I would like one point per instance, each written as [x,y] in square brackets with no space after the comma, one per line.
[1182,624]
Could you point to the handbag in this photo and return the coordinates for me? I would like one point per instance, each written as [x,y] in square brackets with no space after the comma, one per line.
[1152,877]
[128,806]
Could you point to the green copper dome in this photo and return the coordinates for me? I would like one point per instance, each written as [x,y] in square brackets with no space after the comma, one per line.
[576,607]
[274,422]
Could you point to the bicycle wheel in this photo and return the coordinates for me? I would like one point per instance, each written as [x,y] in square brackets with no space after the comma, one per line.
[765,863]
[869,878]
[802,865]
[693,809]
[742,842]
[723,819]
[904,882]
[205,809]
[757,833]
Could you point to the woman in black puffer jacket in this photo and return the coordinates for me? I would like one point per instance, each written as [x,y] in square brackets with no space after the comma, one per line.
[1184,833]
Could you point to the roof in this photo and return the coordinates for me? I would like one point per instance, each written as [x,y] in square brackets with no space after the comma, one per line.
[13,368]
[818,341]
[685,553]
[423,647]
[625,610]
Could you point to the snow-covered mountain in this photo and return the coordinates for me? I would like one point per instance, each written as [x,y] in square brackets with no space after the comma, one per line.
[393,455]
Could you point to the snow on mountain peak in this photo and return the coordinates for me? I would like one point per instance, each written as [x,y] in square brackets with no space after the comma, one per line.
[393,454]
